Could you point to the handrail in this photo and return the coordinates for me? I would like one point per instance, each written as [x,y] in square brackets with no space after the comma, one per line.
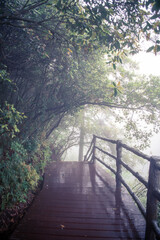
[137,152]
[106,139]
[106,165]
[89,152]
[140,178]
[101,150]
[152,185]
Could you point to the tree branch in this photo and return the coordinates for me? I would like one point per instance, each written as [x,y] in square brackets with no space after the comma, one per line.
[32,6]
[110,105]
[55,126]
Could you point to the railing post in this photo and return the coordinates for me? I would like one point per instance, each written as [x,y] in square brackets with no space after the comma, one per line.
[118,171]
[151,208]
[94,149]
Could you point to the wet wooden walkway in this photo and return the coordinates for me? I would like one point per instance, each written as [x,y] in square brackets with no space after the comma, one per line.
[78,202]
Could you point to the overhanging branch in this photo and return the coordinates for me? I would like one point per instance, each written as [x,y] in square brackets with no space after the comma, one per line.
[54,126]
[113,105]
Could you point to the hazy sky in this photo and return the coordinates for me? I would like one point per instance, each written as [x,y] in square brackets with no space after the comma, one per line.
[150,64]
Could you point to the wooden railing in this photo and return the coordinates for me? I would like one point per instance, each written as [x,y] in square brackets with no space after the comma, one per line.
[152,185]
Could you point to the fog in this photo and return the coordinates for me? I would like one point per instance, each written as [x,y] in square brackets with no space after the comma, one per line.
[154,149]
[149,64]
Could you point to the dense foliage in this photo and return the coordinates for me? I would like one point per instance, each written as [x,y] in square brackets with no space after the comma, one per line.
[48,48]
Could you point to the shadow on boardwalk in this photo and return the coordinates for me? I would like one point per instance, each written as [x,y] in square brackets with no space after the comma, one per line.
[78,202]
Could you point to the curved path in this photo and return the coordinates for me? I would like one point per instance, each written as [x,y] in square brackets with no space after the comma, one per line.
[78,202]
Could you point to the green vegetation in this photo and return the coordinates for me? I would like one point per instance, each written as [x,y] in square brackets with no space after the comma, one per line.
[20,171]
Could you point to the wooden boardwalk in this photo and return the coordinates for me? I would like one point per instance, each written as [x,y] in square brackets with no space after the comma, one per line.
[78,202]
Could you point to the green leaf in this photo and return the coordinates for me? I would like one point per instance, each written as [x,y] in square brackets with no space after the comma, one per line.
[115,92]
[5,126]
[114,66]
[15,128]
[150,49]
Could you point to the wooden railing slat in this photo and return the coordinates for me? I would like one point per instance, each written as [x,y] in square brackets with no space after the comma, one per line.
[106,165]
[135,151]
[140,178]
[153,184]
[106,139]
[86,158]
[118,168]
[140,206]
[110,155]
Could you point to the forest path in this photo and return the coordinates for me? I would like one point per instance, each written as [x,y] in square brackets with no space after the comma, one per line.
[78,201]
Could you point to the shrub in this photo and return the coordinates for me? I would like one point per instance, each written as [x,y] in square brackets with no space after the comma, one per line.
[16,177]
[42,157]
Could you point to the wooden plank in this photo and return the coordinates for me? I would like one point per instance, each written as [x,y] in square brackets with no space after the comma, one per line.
[78,202]
[42,237]
[111,226]
[76,233]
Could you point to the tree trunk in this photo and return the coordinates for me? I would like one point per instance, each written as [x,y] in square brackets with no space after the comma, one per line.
[81,141]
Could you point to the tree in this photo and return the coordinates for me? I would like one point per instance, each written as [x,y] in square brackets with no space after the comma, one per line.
[111,21]
[48,49]
[46,46]
[132,115]
[81,137]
